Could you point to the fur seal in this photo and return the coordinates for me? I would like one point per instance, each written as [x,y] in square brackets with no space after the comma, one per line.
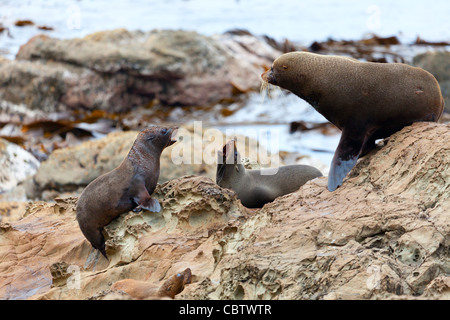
[255,188]
[127,187]
[366,101]
[142,290]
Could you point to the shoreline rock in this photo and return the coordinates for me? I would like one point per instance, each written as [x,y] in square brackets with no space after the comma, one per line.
[384,234]
[438,64]
[118,69]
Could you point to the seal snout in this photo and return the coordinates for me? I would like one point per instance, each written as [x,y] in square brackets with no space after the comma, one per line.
[172,132]
[268,76]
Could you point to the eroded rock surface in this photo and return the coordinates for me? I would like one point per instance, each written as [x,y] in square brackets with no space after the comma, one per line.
[384,234]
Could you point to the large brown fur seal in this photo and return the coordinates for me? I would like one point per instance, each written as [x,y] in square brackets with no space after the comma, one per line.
[127,187]
[255,188]
[367,101]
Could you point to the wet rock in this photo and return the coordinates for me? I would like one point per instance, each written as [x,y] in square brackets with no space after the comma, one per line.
[16,165]
[438,63]
[116,70]
[384,234]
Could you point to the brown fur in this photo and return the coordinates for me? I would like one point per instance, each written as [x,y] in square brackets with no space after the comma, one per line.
[367,101]
[125,188]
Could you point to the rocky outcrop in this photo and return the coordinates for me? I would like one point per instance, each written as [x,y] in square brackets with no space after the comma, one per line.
[384,234]
[116,70]
[438,63]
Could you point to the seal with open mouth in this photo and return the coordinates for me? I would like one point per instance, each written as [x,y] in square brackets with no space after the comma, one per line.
[255,187]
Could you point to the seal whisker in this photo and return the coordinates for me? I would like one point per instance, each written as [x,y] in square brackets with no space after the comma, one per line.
[266,90]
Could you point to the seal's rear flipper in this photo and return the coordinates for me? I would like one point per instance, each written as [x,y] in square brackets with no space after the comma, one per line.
[345,157]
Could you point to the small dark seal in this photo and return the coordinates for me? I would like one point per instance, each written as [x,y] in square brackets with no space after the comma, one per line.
[127,187]
[255,188]
[367,101]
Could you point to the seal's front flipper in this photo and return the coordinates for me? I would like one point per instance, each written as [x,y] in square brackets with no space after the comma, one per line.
[152,205]
[144,201]
[345,157]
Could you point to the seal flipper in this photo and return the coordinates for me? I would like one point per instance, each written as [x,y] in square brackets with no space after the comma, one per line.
[145,201]
[95,237]
[153,206]
[345,156]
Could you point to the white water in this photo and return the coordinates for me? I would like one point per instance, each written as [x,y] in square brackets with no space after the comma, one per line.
[304,21]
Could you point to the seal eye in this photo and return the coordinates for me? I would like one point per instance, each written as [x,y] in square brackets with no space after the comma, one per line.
[284,67]
[164,131]
[151,137]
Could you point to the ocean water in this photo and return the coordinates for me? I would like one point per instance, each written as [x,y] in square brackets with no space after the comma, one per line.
[302,21]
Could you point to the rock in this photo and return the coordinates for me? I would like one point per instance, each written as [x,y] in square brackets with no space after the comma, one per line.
[48,246]
[12,210]
[384,234]
[116,70]
[16,165]
[438,63]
